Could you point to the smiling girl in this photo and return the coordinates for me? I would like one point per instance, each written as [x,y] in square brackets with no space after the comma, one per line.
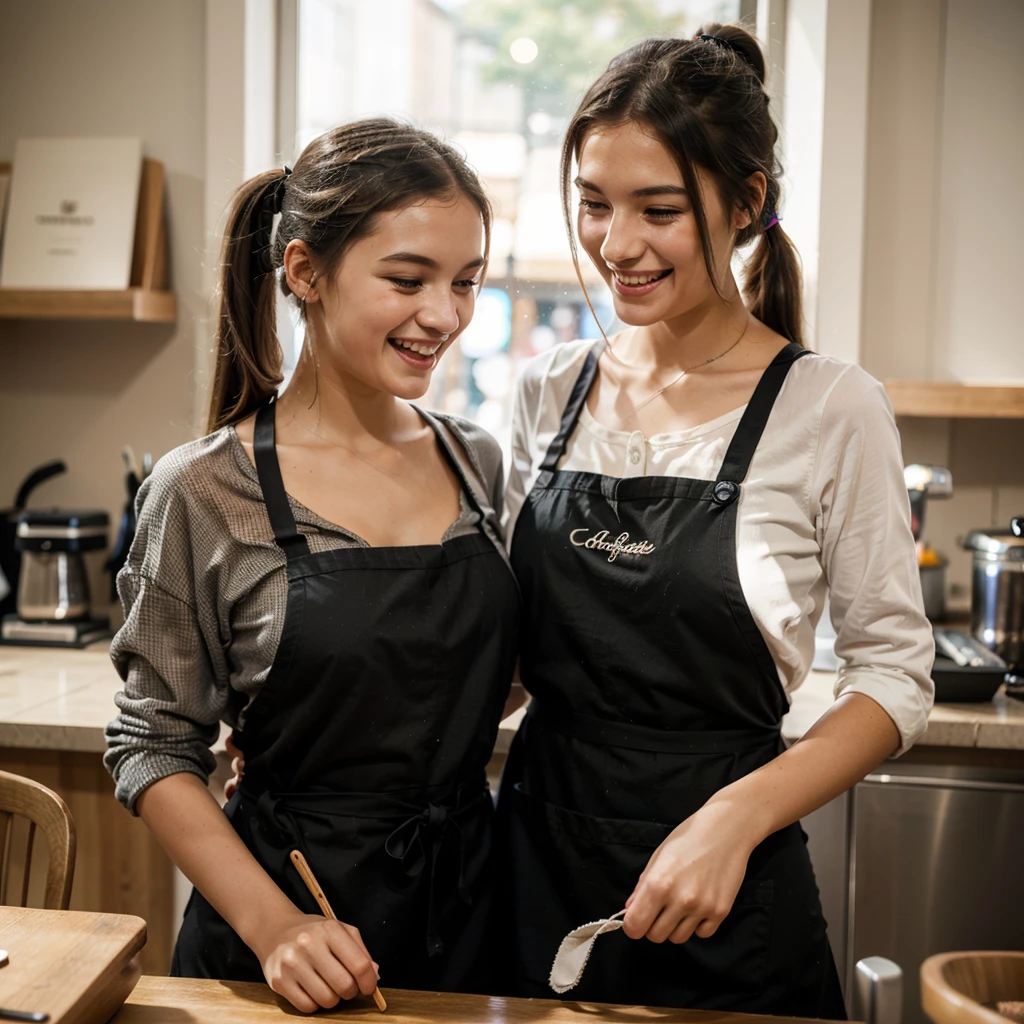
[683,496]
[324,571]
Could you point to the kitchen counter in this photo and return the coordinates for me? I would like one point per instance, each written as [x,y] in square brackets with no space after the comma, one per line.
[56,699]
[158,1000]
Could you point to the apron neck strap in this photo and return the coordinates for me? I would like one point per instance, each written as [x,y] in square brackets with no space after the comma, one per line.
[755,417]
[572,413]
[268,469]
[471,477]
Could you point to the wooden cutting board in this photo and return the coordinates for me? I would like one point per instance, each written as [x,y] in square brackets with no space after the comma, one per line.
[77,967]
[197,1001]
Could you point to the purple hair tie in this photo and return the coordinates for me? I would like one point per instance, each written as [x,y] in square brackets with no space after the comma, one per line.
[775,220]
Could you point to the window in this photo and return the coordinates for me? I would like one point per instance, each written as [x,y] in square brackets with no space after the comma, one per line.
[499,78]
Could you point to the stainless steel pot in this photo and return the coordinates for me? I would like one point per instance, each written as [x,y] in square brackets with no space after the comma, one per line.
[997,590]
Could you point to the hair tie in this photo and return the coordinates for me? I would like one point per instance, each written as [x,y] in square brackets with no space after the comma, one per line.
[720,41]
[774,220]
[276,195]
[269,206]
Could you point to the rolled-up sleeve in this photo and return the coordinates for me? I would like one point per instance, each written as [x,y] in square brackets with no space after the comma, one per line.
[884,641]
[173,699]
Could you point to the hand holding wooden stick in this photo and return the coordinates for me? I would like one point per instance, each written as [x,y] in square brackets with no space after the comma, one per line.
[325,908]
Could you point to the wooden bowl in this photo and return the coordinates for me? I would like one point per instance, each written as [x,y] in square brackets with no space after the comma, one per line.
[961,988]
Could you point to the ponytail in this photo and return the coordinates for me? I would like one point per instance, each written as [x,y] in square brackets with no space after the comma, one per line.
[248,361]
[772,284]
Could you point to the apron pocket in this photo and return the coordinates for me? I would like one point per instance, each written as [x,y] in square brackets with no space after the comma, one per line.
[570,869]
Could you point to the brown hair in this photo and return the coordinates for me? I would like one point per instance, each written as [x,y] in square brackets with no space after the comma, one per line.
[342,180]
[704,100]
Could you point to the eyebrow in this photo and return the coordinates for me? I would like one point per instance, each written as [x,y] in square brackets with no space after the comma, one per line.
[652,190]
[425,261]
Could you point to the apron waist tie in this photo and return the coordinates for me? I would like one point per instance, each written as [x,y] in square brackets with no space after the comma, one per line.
[627,735]
[415,843]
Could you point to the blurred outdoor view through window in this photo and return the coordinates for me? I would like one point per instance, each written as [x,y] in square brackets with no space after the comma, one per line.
[499,78]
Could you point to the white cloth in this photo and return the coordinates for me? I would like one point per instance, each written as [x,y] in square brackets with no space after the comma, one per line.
[574,952]
[823,512]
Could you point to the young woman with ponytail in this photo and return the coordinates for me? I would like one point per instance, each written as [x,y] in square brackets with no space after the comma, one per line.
[683,497]
[324,571]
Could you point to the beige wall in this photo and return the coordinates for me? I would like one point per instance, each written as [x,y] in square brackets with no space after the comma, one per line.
[80,391]
[942,220]
[944,213]
[904,112]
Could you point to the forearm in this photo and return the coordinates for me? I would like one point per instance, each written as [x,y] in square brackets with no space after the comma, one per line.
[187,822]
[854,736]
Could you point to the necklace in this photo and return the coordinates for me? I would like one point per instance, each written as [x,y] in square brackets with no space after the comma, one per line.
[684,372]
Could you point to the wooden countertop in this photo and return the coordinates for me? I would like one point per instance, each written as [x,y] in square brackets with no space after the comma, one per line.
[164,1000]
[59,699]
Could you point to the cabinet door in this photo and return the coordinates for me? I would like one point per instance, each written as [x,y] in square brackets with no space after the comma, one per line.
[935,866]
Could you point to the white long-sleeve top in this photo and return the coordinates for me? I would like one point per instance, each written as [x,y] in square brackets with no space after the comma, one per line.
[823,512]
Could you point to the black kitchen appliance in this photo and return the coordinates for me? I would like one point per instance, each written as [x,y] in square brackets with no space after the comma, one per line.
[10,557]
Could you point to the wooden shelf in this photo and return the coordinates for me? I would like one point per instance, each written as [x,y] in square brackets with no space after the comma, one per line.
[137,304]
[145,301]
[943,399]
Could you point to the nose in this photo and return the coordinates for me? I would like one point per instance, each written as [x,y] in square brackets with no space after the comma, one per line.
[439,314]
[622,244]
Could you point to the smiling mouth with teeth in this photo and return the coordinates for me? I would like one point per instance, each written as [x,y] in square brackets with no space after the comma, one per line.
[638,280]
[421,348]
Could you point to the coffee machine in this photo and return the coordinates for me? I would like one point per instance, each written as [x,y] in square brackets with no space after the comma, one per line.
[53,601]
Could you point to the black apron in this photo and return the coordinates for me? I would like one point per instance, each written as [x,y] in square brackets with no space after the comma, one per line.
[367,746]
[652,689]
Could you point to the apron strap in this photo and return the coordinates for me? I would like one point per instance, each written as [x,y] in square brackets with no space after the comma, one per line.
[466,468]
[268,469]
[752,424]
[571,414]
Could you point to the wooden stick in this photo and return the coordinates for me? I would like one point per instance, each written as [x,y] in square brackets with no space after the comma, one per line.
[313,886]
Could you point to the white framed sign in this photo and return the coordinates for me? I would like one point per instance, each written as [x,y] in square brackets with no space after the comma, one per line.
[71,213]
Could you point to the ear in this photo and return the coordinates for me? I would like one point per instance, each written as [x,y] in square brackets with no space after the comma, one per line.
[300,272]
[743,216]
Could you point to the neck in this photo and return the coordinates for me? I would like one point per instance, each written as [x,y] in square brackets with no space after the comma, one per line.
[336,407]
[688,339]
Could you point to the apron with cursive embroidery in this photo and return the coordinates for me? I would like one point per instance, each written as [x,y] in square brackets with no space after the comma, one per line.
[367,746]
[652,689]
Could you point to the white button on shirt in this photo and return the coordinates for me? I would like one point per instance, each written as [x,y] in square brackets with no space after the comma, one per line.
[823,511]
[636,460]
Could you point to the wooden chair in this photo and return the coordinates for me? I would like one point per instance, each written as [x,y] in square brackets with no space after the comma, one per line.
[44,809]
[962,988]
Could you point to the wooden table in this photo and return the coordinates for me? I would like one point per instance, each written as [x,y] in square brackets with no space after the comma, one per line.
[77,967]
[188,1001]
